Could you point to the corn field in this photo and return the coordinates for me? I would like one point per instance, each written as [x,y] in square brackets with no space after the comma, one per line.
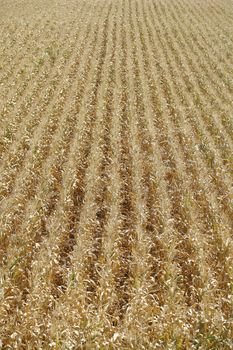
[116,140]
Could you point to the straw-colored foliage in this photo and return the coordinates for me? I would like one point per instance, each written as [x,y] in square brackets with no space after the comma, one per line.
[116,173]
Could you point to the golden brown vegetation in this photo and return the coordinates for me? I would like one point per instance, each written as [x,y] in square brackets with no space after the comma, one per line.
[116,174]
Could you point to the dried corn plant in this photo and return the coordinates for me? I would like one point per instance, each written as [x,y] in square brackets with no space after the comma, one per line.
[116,174]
